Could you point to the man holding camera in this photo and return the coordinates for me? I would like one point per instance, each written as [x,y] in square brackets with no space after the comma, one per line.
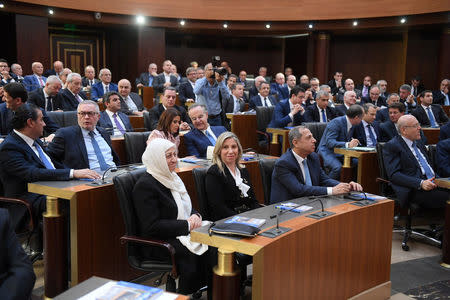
[210,90]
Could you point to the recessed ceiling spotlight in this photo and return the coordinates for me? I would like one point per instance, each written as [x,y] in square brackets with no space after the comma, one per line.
[268,26]
[140,20]
[403,20]
[50,11]
[225,25]
[182,22]
[2,5]
[355,23]
[310,26]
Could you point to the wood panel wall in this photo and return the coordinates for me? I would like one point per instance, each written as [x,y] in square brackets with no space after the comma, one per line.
[8,25]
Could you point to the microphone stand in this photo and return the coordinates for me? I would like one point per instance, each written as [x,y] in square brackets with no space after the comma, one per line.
[111,170]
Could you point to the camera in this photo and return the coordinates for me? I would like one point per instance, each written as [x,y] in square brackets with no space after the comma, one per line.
[216,62]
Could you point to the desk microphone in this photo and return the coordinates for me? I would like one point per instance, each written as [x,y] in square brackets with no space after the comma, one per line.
[112,169]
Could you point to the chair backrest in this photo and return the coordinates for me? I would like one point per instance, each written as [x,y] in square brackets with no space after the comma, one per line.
[263,117]
[147,121]
[431,155]
[266,168]
[63,118]
[386,189]
[200,186]
[57,117]
[135,144]
[317,130]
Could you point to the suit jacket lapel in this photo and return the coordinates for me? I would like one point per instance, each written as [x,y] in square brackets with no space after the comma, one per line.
[27,148]
[408,151]
[297,165]
[82,145]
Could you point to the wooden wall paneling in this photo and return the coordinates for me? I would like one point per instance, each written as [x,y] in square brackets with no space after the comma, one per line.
[296,54]
[32,40]
[151,48]
[444,58]
[322,56]
[8,25]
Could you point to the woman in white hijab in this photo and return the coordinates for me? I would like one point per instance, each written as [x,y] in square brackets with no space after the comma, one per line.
[165,212]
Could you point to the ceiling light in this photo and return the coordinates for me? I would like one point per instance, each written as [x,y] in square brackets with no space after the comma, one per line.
[182,22]
[140,20]
[267,26]
[403,20]
[355,23]
[225,25]
[310,26]
[50,11]
[2,5]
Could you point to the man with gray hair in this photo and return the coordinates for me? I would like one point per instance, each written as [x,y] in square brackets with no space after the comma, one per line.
[383,114]
[186,91]
[279,87]
[382,84]
[409,168]
[89,76]
[48,97]
[349,85]
[407,98]
[17,70]
[130,102]
[255,89]
[104,86]
[72,95]
[58,67]
[320,111]
[298,172]
[349,100]
[63,76]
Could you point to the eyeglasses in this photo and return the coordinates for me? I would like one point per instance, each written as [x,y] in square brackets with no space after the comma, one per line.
[87,113]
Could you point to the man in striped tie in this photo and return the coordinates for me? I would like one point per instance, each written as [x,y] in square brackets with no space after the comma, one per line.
[112,119]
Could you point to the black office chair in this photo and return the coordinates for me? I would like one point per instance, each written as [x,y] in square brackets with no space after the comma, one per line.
[135,145]
[263,118]
[147,121]
[406,213]
[63,118]
[124,184]
[317,130]
[432,155]
[266,168]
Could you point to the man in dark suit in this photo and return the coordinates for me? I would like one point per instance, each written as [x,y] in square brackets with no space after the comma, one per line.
[280,87]
[5,75]
[374,97]
[168,101]
[407,98]
[146,78]
[165,79]
[16,69]
[235,103]
[37,80]
[263,98]
[202,136]
[336,83]
[298,173]
[23,159]
[112,119]
[289,112]
[338,134]
[243,79]
[382,85]
[349,85]
[349,100]
[263,72]
[383,113]
[368,131]
[444,132]
[409,169]
[441,96]
[130,102]
[84,145]
[100,88]
[47,97]
[429,114]
[72,95]
[416,86]
[320,111]
[89,77]
[16,271]
[365,86]
[254,90]
[15,96]
[57,69]
[442,157]
[186,90]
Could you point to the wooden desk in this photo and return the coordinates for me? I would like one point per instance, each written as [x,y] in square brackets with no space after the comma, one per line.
[137,122]
[118,145]
[148,95]
[443,183]
[274,145]
[244,126]
[338,257]
[368,169]
[432,135]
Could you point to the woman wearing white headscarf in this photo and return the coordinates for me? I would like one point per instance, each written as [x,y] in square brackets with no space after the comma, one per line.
[165,212]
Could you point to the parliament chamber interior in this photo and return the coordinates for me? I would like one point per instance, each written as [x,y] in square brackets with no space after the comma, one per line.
[156,149]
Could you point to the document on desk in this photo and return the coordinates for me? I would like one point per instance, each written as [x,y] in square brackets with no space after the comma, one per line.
[123,290]
[364,149]
[293,207]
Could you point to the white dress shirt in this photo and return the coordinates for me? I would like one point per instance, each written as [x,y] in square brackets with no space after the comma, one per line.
[266,103]
[111,118]
[300,162]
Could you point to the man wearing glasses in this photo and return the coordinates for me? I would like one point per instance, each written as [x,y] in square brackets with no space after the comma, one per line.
[84,145]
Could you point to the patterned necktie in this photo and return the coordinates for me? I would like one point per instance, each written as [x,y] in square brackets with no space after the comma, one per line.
[210,138]
[48,165]
[118,124]
[428,171]
[307,175]
[49,104]
[265,102]
[98,152]
[106,88]
[324,116]
[431,117]
[371,135]
[41,82]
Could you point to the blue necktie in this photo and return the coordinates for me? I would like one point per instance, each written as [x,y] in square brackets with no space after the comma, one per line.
[428,171]
[431,117]
[98,152]
[210,138]
[371,135]
[307,175]
[324,116]
[150,80]
[45,161]
[446,102]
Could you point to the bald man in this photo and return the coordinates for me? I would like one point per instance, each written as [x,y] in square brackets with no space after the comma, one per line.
[130,102]
[58,66]
[37,80]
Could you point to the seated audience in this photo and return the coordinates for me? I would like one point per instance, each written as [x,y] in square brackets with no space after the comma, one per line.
[112,119]
[58,67]
[349,100]
[409,169]
[383,113]
[174,72]
[439,97]
[298,173]
[84,145]
[279,87]
[186,90]
[15,96]
[235,103]
[130,102]
[368,131]
[5,75]
[146,78]
[16,69]
[23,159]
[374,97]
[202,136]
[309,97]
[365,87]
[254,90]
[288,71]
[349,85]
[338,134]
[89,77]
[263,73]
[168,99]
[164,212]
[291,82]
[263,98]
[104,86]
[336,83]
[72,95]
[243,79]
[416,86]
[320,111]
[165,79]
[304,79]
[228,186]
[231,80]
[63,76]
[429,114]
[16,271]
[168,127]
[382,85]
[47,97]
[407,98]
[289,112]
[37,80]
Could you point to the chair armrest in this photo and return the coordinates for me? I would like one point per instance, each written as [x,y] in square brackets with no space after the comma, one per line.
[263,133]
[382,180]
[151,242]
[21,202]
